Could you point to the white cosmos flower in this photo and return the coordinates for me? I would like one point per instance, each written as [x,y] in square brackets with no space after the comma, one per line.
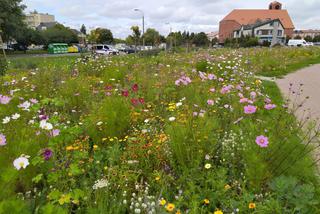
[99,123]
[21,162]
[6,120]
[172,119]
[15,116]
[45,125]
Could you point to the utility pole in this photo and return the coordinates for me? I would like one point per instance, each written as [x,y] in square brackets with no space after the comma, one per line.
[138,10]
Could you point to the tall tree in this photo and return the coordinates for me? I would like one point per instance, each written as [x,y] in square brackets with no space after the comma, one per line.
[83,29]
[60,33]
[101,35]
[11,18]
[201,39]
[136,34]
[152,37]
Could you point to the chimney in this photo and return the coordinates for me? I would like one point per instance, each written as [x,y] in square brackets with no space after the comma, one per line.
[275,6]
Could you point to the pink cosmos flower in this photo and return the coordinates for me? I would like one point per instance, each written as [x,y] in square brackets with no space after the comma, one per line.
[269,106]
[226,89]
[3,140]
[244,100]
[212,77]
[210,102]
[262,141]
[34,101]
[250,109]
[4,99]
[253,95]
[212,90]
[267,100]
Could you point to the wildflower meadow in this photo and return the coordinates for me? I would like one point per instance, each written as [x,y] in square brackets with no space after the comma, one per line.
[169,133]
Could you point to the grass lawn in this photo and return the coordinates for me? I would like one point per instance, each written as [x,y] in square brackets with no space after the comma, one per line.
[169,133]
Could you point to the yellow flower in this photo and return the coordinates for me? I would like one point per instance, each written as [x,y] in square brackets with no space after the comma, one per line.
[170,207]
[206,201]
[218,212]
[258,82]
[69,148]
[178,212]
[64,199]
[163,202]
[207,166]
[95,146]
[252,205]
[227,187]
[157,178]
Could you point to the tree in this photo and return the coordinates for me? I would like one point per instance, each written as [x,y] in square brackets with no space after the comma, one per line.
[83,29]
[316,38]
[308,38]
[11,18]
[152,37]
[136,34]
[297,37]
[28,36]
[101,35]
[201,39]
[59,34]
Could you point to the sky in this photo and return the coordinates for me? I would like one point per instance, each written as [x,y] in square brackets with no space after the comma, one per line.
[189,15]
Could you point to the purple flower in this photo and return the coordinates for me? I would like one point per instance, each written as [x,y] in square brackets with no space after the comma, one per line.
[4,99]
[249,109]
[47,154]
[212,90]
[269,106]
[55,132]
[3,140]
[262,141]
[211,77]
[34,101]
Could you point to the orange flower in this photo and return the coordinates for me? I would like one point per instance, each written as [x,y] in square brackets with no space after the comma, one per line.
[170,207]
[252,205]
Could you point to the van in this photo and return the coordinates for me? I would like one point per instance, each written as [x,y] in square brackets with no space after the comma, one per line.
[297,43]
[104,50]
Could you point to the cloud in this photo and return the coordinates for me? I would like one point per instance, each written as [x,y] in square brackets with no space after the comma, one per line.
[192,15]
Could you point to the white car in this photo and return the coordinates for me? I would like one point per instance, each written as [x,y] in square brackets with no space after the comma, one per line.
[104,50]
[297,43]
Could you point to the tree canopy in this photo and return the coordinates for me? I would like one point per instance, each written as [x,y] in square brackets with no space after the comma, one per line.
[11,18]
[101,35]
[60,34]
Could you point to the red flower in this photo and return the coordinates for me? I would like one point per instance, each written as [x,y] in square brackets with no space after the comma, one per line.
[134,101]
[125,93]
[135,87]
[141,100]
[108,87]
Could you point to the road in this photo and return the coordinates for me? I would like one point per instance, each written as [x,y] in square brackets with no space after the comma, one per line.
[42,55]
[303,87]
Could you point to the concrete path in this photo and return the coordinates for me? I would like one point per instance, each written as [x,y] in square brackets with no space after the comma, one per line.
[297,87]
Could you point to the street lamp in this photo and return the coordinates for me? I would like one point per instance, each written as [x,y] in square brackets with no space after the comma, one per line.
[138,10]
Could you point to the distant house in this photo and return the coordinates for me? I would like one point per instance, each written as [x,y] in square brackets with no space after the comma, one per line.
[304,33]
[45,26]
[242,17]
[212,35]
[34,19]
[266,31]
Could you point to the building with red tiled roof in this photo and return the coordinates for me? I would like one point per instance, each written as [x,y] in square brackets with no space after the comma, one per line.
[240,17]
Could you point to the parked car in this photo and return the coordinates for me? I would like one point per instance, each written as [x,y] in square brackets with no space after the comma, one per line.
[297,43]
[104,50]
[125,48]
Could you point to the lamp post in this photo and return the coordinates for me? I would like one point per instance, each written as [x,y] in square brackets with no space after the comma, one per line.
[138,10]
[168,23]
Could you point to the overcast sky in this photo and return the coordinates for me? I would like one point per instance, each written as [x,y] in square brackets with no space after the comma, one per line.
[191,15]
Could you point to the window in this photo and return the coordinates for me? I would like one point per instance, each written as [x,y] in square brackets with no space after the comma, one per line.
[271,32]
[279,32]
[264,32]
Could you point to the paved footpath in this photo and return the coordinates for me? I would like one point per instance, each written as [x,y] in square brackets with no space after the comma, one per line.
[299,85]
